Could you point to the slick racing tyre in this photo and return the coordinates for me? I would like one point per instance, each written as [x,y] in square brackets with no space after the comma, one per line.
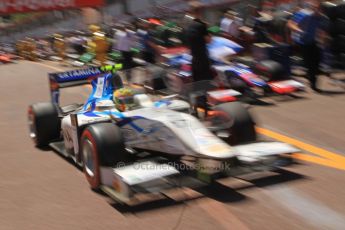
[102,144]
[156,75]
[44,123]
[270,70]
[174,82]
[236,121]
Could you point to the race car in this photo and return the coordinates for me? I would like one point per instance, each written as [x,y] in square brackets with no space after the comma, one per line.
[236,72]
[127,142]
[7,57]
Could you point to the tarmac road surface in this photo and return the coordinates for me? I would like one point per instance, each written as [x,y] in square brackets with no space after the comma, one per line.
[41,190]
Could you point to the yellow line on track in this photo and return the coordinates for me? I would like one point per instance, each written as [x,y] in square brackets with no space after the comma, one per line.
[325,157]
[319,160]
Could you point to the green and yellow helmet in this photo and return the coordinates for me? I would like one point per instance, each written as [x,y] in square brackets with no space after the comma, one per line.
[124,99]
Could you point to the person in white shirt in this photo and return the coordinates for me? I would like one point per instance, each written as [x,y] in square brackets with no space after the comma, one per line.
[124,39]
[230,24]
[124,43]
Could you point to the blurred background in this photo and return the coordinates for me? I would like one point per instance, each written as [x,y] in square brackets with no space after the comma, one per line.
[41,190]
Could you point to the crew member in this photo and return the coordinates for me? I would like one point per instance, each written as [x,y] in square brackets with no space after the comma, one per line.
[101,47]
[308,27]
[20,45]
[147,46]
[60,46]
[124,42]
[197,38]
[231,24]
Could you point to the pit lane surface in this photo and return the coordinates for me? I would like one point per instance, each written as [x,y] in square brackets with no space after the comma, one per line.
[41,190]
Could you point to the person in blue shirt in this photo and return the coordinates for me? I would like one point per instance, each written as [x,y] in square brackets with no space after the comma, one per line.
[309,31]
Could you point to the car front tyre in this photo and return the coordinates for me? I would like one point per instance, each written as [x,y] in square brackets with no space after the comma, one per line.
[102,144]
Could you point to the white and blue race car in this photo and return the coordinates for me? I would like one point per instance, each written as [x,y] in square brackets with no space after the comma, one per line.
[109,142]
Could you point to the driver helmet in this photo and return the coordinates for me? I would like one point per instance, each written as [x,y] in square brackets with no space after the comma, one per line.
[124,99]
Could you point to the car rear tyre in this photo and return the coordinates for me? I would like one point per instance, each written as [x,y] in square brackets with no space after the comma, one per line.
[44,123]
[155,77]
[270,70]
[101,145]
[237,122]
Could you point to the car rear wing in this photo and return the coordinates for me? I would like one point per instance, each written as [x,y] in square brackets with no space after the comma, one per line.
[76,77]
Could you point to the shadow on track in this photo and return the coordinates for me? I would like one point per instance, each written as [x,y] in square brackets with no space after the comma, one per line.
[331,92]
[216,191]
[280,176]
